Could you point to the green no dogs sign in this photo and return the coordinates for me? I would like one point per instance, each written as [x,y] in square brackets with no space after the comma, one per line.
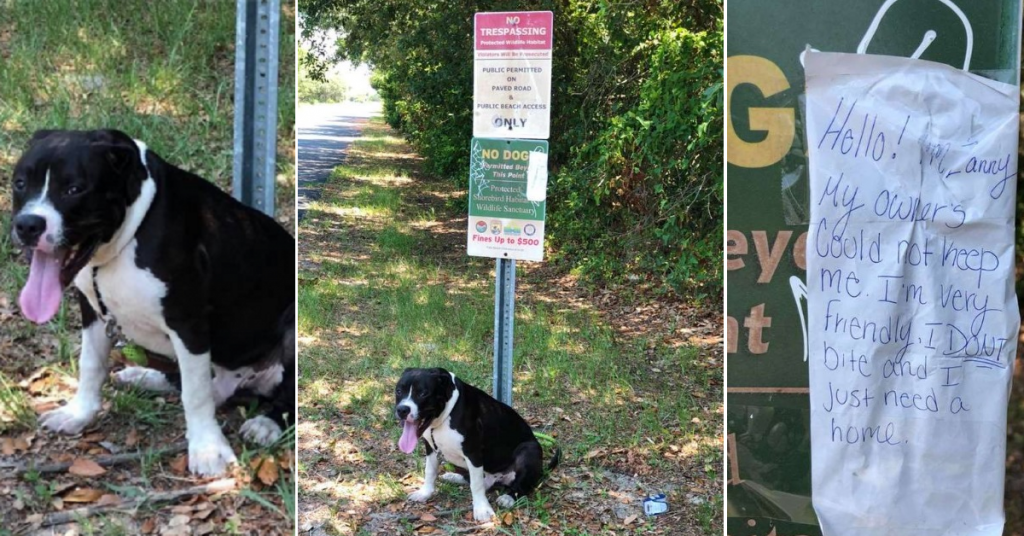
[507,190]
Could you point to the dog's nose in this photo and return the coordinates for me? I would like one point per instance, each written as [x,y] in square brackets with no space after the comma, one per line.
[28,228]
[402,412]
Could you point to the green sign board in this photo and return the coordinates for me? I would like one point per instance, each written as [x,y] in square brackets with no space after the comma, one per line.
[507,190]
[768,466]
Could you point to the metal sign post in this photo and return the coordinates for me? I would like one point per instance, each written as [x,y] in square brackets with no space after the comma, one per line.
[504,318]
[508,179]
[257,35]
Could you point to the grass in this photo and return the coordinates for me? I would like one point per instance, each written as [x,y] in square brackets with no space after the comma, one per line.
[163,73]
[385,284]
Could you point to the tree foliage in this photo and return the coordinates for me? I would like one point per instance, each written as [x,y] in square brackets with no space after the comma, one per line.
[322,88]
[636,128]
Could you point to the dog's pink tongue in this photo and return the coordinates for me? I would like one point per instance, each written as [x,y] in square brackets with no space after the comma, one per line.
[408,440]
[40,299]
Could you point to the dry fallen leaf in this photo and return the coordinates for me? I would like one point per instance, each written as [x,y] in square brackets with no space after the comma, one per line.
[180,464]
[285,460]
[268,471]
[83,495]
[507,518]
[108,499]
[85,467]
[629,520]
[179,520]
[132,438]
[58,488]
[428,517]
[148,526]
[43,407]
[39,385]
[203,513]
[23,443]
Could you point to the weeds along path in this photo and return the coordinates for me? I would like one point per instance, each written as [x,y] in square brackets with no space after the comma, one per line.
[385,284]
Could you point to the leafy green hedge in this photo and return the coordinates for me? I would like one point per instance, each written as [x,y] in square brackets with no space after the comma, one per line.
[636,185]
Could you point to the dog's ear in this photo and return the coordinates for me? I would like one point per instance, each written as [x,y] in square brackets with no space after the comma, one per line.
[121,153]
[40,135]
[118,148]
[445,384]
[444,381]
[110,136]
[124,157]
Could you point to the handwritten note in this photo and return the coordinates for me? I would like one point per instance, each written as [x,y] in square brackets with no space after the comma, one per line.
[912,317]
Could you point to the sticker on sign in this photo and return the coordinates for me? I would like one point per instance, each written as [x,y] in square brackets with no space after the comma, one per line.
[504,222]
[512,74]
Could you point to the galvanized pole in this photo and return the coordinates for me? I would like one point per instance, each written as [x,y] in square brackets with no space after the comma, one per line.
[504,316]
[257,35]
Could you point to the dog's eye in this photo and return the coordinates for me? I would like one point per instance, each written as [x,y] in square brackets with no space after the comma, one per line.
[19,185]
[73,190]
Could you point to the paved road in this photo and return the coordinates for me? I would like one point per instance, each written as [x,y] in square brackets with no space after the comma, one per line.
[325,132]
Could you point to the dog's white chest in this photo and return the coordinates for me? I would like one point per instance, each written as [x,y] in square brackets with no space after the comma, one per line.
[133,296]
[448,442]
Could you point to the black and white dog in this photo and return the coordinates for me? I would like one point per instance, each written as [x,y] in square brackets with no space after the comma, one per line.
[483,438]
[180,267]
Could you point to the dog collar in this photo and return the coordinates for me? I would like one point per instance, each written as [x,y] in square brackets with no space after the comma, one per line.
[113,330]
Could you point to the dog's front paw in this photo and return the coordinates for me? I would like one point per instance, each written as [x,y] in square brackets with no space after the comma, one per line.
[144,378]
[483,512]
[70,419]
[505,501]
[261,430]
[421,495]
[209,454]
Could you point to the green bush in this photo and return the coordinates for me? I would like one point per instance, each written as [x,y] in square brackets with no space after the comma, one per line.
[636,188]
